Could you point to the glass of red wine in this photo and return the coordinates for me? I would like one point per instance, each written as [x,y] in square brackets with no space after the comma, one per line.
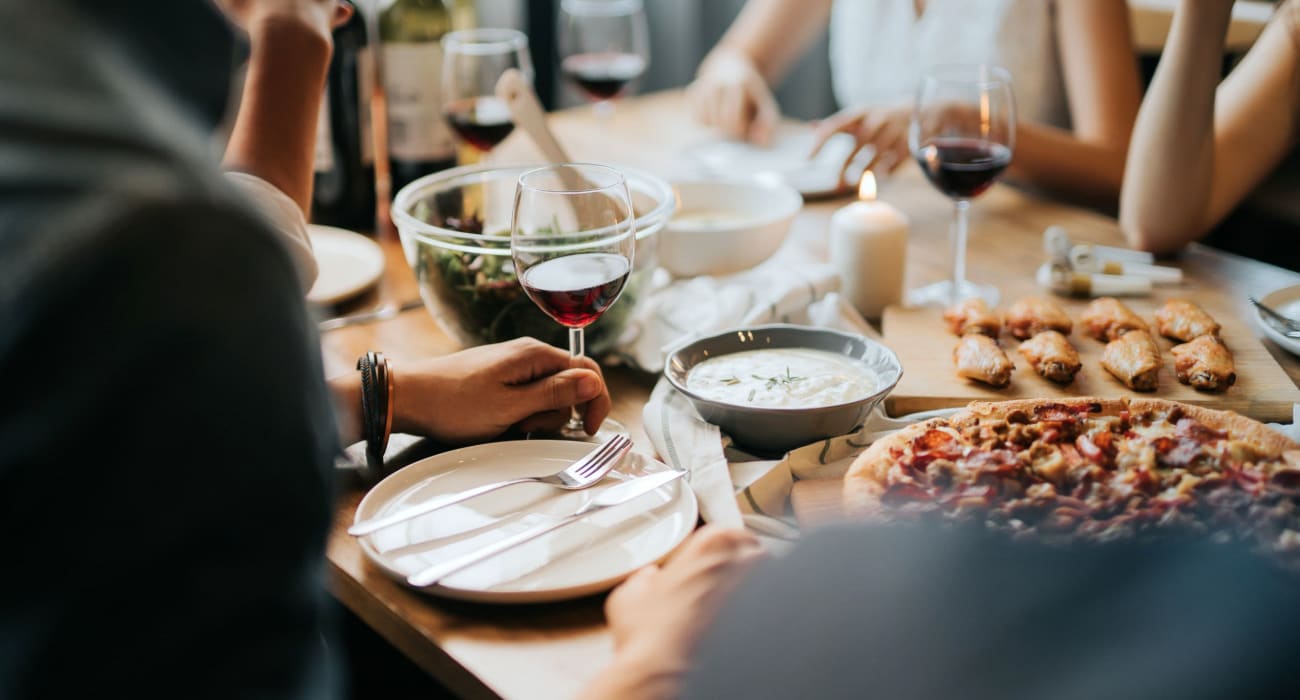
[572,239]
[604,47]
[962,134]
[472,63]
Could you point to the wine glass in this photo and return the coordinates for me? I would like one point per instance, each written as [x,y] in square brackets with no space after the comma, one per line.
[473,61]
[963,132]
[572,238]
[604,46]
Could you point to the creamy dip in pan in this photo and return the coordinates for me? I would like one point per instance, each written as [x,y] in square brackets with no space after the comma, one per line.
[782,378]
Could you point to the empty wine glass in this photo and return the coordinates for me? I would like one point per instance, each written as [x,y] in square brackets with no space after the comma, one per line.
[572,239]
[604,46]
[473,61]
[962,134]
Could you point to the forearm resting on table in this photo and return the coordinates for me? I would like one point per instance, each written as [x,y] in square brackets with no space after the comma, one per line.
[1170,167]
[1058,160]
[274,133]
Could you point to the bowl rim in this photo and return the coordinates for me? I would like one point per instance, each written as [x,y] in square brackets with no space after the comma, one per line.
[646,224]
[783,410]
[793,200]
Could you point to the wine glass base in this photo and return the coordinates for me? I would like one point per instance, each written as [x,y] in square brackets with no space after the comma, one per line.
[607,430]
[946,294]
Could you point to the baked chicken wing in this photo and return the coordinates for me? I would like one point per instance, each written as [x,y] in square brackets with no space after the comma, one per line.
[978,357]
[973,316]
[1205,363]
[1107,318]
[1052,356]
[1182,320]
[1033,315]
[1134,358]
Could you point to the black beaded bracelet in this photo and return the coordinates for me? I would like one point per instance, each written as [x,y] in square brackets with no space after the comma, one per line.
[376,407]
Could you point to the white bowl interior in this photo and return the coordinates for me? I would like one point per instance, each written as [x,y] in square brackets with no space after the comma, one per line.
[724,227]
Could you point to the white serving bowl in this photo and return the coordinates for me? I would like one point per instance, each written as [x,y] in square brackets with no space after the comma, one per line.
[725,226]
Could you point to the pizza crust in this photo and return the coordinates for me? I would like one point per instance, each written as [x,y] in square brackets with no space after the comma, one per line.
[865,481]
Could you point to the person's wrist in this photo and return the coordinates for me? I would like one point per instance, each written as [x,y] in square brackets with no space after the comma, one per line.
[291,34]
[727,60]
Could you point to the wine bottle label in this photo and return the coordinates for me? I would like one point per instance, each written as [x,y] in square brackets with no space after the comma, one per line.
[324,160]
[365,90]
[413,83]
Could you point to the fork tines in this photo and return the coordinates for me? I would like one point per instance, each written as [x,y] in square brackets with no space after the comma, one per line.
[595,461]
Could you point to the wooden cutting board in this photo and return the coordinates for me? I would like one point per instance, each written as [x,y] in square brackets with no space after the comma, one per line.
[921,338]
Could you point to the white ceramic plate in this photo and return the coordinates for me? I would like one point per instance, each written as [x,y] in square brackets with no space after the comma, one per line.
[589,556]
[786,160]
[349,263]
[1285,301]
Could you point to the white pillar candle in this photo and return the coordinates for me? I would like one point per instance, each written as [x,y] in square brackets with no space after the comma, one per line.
[868,247]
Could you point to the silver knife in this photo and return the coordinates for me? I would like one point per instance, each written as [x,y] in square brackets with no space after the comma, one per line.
[383,313]
[613,496]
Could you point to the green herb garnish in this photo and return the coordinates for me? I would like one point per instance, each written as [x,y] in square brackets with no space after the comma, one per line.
[786,381]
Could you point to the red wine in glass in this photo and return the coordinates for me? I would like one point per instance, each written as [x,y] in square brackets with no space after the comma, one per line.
[603,75]
[962,168]
[484,122]
[576,289]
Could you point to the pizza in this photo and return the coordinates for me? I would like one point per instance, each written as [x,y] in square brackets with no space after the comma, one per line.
[1089,469]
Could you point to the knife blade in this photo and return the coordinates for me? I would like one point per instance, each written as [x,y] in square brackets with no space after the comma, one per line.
[610,497]
[383,313]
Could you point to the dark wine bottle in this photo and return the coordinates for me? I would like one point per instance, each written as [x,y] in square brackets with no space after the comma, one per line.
[343,192]
[419,139]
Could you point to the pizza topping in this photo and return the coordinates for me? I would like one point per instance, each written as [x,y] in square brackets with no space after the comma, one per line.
[1059,470]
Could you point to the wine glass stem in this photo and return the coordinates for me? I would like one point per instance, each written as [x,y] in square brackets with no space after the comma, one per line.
[604,109]
[577,349]
[959,233]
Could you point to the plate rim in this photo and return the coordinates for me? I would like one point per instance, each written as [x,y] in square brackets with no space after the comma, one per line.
[1291,345]
[363,241]
[682,489]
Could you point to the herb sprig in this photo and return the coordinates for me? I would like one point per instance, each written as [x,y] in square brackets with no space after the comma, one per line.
[786,381]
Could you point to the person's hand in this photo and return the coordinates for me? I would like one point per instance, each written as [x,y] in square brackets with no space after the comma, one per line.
[255,17]
[883,129]
[729,93]
[658,614]
[482,392]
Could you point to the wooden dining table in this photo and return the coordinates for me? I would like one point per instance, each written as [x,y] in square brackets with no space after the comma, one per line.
[552,650]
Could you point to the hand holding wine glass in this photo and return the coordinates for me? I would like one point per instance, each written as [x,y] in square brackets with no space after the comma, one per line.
[572,239]
[604,46]
[962,134]
[473,61]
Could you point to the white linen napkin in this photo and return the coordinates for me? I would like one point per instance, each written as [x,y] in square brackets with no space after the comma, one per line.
[778,291]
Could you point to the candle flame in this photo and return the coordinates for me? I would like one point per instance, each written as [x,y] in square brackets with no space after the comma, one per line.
[867,187]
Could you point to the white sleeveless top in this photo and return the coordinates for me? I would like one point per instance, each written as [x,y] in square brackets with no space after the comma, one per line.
[879,49]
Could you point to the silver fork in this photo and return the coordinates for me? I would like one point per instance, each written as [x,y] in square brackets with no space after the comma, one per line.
[579,475]
[1290,323]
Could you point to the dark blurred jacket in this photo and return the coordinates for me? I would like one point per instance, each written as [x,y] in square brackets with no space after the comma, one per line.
[166,437]
[941,614]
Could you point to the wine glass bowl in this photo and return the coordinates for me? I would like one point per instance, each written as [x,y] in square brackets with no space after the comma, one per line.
[604,47]
[473,62]
[572,241]
[962,135]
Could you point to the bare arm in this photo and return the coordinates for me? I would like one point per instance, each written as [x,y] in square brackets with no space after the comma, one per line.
[274,133]
[773,34]
[1197,152]
[523,384]
[1101,82]
[732,89]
